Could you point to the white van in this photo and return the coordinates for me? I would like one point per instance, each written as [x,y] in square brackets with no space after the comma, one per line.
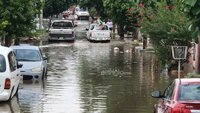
[9,74]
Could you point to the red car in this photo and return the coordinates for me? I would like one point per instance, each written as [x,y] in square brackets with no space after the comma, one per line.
[181,96]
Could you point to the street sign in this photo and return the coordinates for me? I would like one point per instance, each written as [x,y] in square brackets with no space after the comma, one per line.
[179,52]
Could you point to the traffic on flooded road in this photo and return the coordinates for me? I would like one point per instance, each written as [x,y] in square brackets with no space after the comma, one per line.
[85,77]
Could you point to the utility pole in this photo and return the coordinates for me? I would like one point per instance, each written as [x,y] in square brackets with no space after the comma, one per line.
[41,18]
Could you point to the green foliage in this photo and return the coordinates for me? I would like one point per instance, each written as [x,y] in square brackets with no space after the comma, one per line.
[166,27]
[95,7]
[54,7]
[192,9]
[17,16]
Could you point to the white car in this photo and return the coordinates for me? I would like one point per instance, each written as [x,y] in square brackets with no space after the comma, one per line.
[33,60]
[61,30]
[9,74]
[98,32]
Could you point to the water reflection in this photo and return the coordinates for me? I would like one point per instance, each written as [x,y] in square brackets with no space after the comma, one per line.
[88,77]
[10,106]
[30,96]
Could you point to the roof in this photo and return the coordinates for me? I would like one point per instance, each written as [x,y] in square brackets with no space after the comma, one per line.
[62,20]
[25,46]
[4,50]
[188,80]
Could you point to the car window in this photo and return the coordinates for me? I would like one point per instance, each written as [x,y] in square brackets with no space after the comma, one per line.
[169,90]
[12,61]
[101,27]
[189,92]
[2,64]
[27,55]
[62,25]
[83,17]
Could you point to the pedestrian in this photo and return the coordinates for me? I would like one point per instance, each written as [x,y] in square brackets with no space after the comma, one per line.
[109,23]
[188,67]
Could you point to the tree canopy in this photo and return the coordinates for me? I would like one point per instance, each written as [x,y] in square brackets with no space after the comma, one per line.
[166,27]
[17,17]
[192,9]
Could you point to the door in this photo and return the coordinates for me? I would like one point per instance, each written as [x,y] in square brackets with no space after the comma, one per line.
[14,72]
[2,72]
[165,103]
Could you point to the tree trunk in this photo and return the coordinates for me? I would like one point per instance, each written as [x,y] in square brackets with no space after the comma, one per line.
[144,41]
[121,31]
[17,41]
[8,41]
[197,58]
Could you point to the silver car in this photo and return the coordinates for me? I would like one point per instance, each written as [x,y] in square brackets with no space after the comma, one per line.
[33,60]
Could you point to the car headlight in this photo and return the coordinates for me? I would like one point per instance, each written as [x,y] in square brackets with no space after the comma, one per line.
[37,69]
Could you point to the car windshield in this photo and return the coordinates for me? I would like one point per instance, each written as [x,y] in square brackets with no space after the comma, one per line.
[2,64]
[189,92]
[101,27]
[27,55]
[62,25]
[83,18]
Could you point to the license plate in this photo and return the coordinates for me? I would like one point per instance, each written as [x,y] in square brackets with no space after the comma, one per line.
[61,38]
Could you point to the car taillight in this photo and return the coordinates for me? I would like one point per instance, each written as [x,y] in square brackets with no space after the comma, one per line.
[7,84]
[180,110]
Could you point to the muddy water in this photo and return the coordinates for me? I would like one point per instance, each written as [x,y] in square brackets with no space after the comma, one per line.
[88,77]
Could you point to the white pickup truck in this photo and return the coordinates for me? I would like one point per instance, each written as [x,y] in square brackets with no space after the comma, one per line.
[61,30]
[97,32]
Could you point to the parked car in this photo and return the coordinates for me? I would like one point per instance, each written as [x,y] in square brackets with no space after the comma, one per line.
[98,32]
[33,59]
[61,30]
[9,74]
[181,96]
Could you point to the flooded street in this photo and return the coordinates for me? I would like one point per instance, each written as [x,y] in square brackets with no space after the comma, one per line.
[86,77]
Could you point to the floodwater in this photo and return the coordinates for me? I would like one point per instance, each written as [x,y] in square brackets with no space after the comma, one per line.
[86,77]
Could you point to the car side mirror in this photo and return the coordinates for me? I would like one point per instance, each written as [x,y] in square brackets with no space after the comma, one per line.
[19,66]
[44,57]
[47,30]
[86,29]
[156,94]
[75,25]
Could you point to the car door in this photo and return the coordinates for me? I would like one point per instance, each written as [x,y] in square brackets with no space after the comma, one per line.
[2,72]
[164,105]
[14,72]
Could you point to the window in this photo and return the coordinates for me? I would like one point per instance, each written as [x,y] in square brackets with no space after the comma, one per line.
[83,18]
[189,92]
[2,64]
[169,90]
[27,55]
[12,61]
[60,25]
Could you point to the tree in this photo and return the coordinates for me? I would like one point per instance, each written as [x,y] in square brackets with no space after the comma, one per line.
[54,7]
[192,9]
[166,26]
[18,17]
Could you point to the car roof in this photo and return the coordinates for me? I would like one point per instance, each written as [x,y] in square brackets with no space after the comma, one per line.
[61,21]
[25,46]
[4,50]
[188,80]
